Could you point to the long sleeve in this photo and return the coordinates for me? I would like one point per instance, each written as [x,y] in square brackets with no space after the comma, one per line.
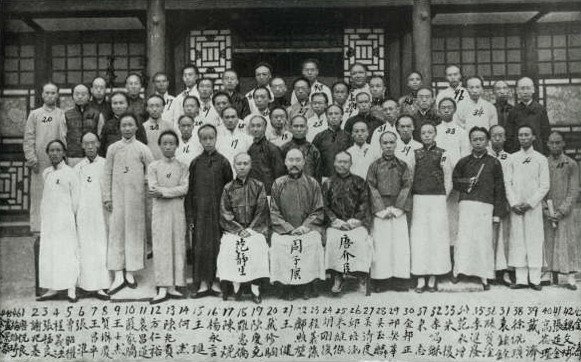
[315,219]
[403,201]
[500,208]
[226,171]
[227,219]
[572,191]
[328,200]
[544,183]
[107,183]
[508,182]
[29,141]
[179,190]
[75,191]
[190,200]
[279,225]
[375,197]
[447,168]
[460,182]
[545,128]
[493,121]
[261,216]
[363,212]
[277,163]
[511,144]
[152,176]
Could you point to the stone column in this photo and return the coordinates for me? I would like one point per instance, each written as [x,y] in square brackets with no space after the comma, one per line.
[422,36]
[156,44]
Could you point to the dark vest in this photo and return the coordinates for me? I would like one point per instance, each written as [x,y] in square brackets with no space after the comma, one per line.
[77,124]
[428,174]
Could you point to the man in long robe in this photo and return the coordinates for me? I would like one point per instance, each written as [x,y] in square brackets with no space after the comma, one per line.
[390,114]
[348,218]
[190,75]
[390,181]
[364,114]
[160,86]
[245,219]
[502,101]
[406,145]
[260,101]
[43,125]
[408,103]
[262,75]
[475,110]
[361,152]
[91,221]
[99,98]
[278,132]
[310,70]
[303,106]
[296,212]
[455,90]
[189,146]
[155,124]
[209,172]
[528,183]
[312,155]
[133,85]
[561,236]
[318,121]
[425,112]
[357,84]
[232,139]
[480,181]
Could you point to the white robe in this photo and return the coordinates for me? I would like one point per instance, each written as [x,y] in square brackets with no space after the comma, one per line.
[316,87]
[362,157]
[276,139]
[250,97]
[405,152]
[177,108]
[167,109]
[501,247]
[471,114]
[59,246]
[350,106]
[189,150]
[91,226]
[242,260]
[209,114]
[391,248]
[459,94]
[528,181]
[316,124]
[386,127]
[230,143]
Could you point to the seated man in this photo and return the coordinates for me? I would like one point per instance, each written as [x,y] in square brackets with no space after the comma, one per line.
[348,248]
[244,217]
[296,211]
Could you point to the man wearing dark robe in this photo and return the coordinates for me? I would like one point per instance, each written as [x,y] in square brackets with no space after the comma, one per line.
[230,86]
[363,100]
[98,98]
[425,112]
[332,140]
[502,103]
[312,155]
[137,104]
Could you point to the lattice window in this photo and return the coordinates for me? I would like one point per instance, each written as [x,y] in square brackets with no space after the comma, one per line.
[76,63]
[496,57]
[14,186]
[365,46]
[559,54]
[211,52]
[19,65]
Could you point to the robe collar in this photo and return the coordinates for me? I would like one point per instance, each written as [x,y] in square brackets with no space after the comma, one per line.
[130,140]
[48,109]
[169,159]
[478,156]
[60,165]
[430,147]
[530,150]
[300,141]
[343,177]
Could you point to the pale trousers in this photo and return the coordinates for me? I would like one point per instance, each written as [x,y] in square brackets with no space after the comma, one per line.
[524,275]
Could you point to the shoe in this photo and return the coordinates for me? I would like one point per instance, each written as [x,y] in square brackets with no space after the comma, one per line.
[176,296]
[73,300]
[198,295]
[102,296]
[213,293]
[434,288]
[505,283]
[537,287]
[518,286]
[420,290]
[337,286]
[545,283]
[486,286]
[238,295]
[571,286]
[256,298]
[149,254]
[154,301]
[45,297]
[118,288]
[224,295]
[454,279]
[132,285]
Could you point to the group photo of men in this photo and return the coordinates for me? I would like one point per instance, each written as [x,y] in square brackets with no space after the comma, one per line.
[293,189]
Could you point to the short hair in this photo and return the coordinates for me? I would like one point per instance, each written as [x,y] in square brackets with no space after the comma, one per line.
[378,77]
[190,66]
[99,77]
[498,81]
[363,93]
[82,85]
[414,72]
[340,82]
[223,94]
[303,79]
[310,60]
[119,93]
[448,99]
[191,97]
[526,126]
[158,74]
[263,64]
[453,65]
[231,71]
[558,134]
[428,124]
[358,64]
[130,115]
[385,133]
[390,100]
[275,78]
[202,79]
[523,78]
[243,153]
[264,121]
[426,88]
[360,122]
[478,129]
[263,88]
[334,105]
[475,77]
[496,126]
[168,132]
[402,116]
[138,75]
[281,108]
[207,125]
[56,141]
[292,121]
[346,153]
[90,132]
[184,116]
[156,96]
[320,94]
[227,108]
[50,83]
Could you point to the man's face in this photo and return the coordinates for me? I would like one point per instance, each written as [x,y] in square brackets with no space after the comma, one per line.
[525,90]
[186,127]
[50,94]
[294,162]
[220,103]
[133,85]
[428,134]
[190,77]
[154,107]
[128,127]
[262,75]
[242,165]
[299,128]
[360,133]
[474,87]
[363,103]
[310,71]
[425,99]
[447,109]
[98,89]
[478,141]
[257,128]
[302,90]
[342,163]
[334,117]
[81,95]
[555,144]
[90,145]
[119,104]
[388,143]
[405,128]
[277,119]
[56,153]
[208,139]
[229,81]
[191,108]
[453,76]
[168,145]
[160,83]
[230,118]
[497,137]
[414,82]
[525,137]
[390,110]
[319,104]
[261,98]
[340,94]
[278,87]
[501,90]
[377,88]
[205,89]
[358,76]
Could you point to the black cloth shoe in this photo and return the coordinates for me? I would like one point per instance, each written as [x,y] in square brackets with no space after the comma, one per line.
[45,297]
[154,301]
[537,287]
[518,286]
[73,300]
[256,298]
[102,296]
[571,286]
[118,288]
[132,285]
[486,286]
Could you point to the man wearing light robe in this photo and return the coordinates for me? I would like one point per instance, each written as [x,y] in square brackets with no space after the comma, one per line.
[361,152]
[231,138]
[310,71]
[475,110]
[455,90]
[190,75]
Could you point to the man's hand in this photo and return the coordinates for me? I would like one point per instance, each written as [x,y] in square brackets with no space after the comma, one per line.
[395,212]
[155,193]
[245,233]
[383,214]
[339,224]
[33,165]
[108,205]
[354,223]
[526,207]
[517,209]
[300,230]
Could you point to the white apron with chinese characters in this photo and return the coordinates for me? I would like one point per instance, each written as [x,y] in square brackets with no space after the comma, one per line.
[348,251]
[241,259]
[297,259]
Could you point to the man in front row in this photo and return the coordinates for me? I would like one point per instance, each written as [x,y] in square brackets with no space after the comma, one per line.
[244,217]
[296,211]
[346,199]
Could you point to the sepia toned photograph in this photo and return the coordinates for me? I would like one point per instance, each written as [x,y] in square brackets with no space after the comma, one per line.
[290,180]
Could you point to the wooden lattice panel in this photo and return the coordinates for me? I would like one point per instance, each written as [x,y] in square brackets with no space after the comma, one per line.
[365,46]
[14,186]
[211,52]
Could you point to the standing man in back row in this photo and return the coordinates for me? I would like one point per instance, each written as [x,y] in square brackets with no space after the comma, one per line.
[311,72]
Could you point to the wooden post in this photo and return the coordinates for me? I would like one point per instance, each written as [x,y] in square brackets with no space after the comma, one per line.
[422,34]
[531,67]
[156,45]
[42,65]
[394,70]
